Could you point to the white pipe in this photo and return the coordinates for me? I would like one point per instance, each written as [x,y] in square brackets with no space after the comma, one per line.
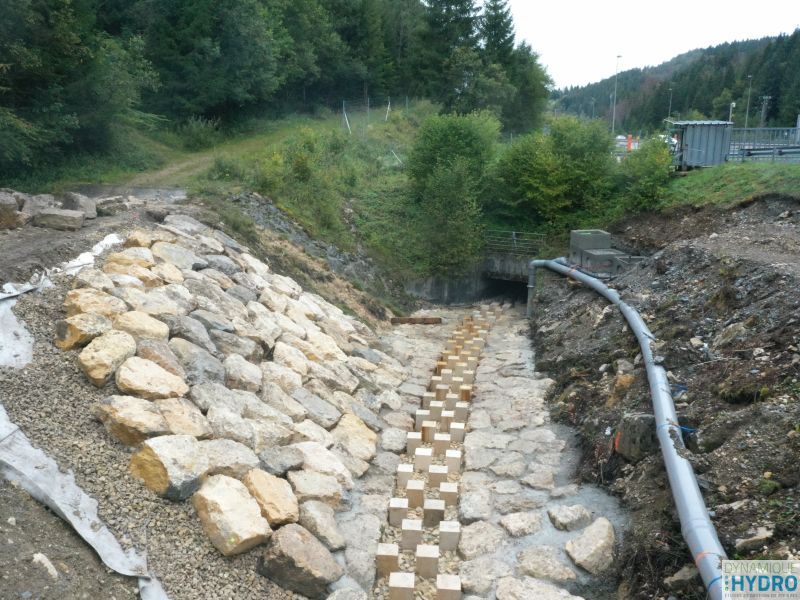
[696,526]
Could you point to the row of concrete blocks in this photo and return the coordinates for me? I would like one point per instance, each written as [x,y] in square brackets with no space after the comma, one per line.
[439,422]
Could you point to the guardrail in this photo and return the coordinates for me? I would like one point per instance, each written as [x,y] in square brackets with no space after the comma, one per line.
[515,243]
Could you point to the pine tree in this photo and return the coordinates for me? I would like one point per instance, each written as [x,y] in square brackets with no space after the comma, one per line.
[497,30]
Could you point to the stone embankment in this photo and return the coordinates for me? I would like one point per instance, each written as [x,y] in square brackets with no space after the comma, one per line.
[350,463]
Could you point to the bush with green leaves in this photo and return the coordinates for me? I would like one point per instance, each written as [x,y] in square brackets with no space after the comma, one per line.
[644,174]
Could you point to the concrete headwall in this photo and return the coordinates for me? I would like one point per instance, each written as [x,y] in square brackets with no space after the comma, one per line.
[458,290]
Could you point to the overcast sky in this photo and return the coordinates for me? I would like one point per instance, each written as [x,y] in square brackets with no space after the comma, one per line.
[578,40]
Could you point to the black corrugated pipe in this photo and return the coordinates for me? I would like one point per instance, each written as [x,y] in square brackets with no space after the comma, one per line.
[696,526]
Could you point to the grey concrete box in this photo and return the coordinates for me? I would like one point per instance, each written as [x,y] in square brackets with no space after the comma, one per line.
[587,239]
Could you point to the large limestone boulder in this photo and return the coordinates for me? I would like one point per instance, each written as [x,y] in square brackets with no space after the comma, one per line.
[317,458]
[90,300]
[291,357]
[543,562]
[593,549]
[355,437]
[160,353]
[58,218]
[479,538]
[183,418]
[167,272]
[277,461]
[145,276]
[179,256]
[241,374]
[230,515]
[104,354]
[170,465]
[321,412]
[135,255]
[227,457]
[319,519]
[298,561]
[274,496]
[273,300]
[79,202]
[198,364]
[521,523]
[80,329]
[312,485]
[478,575]
[130,420]
[528,588]
[308,431]
[281,375]
[141,326]
[8,211]
[93,278]
[191,330]
[569,518]
[273,395]
[144,378]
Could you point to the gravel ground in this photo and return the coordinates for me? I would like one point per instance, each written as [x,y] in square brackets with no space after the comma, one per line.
[50,400]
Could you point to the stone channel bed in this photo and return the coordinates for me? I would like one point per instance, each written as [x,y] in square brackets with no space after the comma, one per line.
[279,422]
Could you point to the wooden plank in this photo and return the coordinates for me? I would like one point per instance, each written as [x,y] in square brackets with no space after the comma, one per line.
[416,320]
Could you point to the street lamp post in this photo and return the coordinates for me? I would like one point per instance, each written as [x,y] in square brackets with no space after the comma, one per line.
[749,89]
[730,111]
[614,105]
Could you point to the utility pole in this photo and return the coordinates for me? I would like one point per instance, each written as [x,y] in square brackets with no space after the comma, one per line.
[749,89]
[764,103]
[730,111]
[669,110]
[614,105]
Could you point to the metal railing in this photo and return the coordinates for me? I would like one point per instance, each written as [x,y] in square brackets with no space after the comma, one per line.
[515,243]
[765,144]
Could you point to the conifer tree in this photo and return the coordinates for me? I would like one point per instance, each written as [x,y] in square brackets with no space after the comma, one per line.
[497,31]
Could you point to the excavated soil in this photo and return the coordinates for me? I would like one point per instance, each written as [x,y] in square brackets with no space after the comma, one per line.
[719,292]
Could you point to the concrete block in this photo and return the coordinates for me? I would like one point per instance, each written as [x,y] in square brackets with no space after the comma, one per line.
[436,475]
[441,442]
[450,401]
[411,534]
[427,561]
[422,459]
[398,510]
[448,416]
[455,384]
[452,458]
[419,416]
[461,411]
[456,430]
[441,391]
[387,559]
[448,587]
[427,398]
[413,441]
[468,376]
[433,512]
[447,376]
[415,492]
[449,535]
[448,491]
[436,380]
[465,393]
[428,431]
[404,473]
[436,407]
[401,586]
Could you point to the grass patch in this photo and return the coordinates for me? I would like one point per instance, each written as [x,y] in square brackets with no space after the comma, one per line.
[733,182]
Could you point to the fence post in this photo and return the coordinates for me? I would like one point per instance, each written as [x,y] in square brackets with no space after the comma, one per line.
[388,108]
[346,120]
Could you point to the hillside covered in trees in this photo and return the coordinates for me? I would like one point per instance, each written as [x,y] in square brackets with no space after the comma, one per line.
[73,71]
[703,83]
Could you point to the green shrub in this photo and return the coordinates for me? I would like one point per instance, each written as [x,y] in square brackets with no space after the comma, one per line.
[645,174]
[198,132]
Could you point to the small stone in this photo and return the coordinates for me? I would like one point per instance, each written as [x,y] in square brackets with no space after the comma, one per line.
[297,561]
[684,580]
[543,562]
[521,523]
[130,420]
[229,515]
[762,537]
[274,495]
[105,354]
[479,538]
[79,330]
[144,378]
[318,518]
[540,480]
[569,518]
[593,549]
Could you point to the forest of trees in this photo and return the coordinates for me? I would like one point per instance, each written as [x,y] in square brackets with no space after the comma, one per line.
[703,84]
[73,70]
